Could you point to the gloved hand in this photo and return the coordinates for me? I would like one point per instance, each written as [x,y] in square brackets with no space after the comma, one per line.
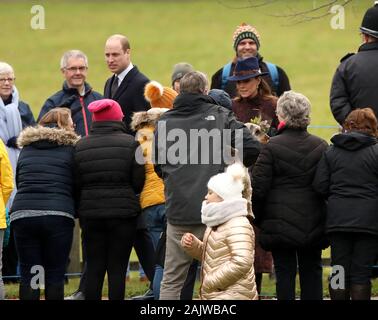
[12,143]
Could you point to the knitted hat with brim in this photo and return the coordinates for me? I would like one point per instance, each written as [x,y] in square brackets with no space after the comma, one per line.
[105,110]
[159,96]
[246,31]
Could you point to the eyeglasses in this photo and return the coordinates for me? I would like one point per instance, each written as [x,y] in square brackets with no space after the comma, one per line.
[75,69]
[3,80]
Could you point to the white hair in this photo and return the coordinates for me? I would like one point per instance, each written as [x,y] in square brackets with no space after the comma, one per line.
[72,54]
[5,68]
[294,108]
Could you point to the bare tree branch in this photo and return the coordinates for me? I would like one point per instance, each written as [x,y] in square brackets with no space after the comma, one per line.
[317,12]
[251,4]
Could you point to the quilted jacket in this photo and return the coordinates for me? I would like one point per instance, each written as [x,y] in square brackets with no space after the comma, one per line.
[227,255]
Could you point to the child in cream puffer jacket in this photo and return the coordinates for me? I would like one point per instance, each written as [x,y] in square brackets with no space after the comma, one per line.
[227,251]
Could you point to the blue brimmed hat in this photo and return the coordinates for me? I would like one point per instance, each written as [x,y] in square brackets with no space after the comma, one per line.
[246,69]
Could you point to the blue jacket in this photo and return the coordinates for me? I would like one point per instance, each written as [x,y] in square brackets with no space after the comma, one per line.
[70,98]
[44,175]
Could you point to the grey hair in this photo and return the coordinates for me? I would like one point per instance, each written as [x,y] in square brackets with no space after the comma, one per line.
[294,109]
[5,68]
[72,54]
[194,82]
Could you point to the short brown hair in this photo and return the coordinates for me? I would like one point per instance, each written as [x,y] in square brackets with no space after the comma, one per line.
[194,82]
[362,120]
[60,116]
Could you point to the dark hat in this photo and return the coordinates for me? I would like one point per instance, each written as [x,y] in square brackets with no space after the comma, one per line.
[180,70]
[246,69]
[221,98]
[369,23]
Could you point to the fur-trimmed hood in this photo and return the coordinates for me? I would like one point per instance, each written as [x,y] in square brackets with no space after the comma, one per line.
[39,133]
[146,118]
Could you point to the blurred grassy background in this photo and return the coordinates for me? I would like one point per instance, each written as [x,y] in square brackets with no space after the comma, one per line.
[163,33]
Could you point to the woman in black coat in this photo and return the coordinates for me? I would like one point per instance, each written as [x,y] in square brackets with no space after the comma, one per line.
[109,179]
[42,214]
[347,176]
[287,210]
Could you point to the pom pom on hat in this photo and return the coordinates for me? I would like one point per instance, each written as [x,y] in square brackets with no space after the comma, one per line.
[246,31]
[159,96]
[229,185]
[106,110]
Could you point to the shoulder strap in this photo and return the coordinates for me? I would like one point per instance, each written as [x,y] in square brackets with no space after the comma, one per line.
[273,74]
[225,74]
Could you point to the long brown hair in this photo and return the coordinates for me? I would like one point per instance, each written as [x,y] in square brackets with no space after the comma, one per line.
[59,116]
[264,91]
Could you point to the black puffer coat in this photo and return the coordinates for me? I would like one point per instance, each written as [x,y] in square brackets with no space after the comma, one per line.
[108,176]
[347,176]
[288,211]
[45,170]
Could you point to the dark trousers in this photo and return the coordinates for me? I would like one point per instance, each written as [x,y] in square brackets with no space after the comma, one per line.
[356,253]
[10,260]
[309,263]
[145,251]
[108,243]
[44,241]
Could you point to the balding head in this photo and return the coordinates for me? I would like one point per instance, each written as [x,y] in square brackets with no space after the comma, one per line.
[122,39]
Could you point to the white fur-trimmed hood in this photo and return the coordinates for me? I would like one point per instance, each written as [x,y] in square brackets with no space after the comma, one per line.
[38,133]
[146,118]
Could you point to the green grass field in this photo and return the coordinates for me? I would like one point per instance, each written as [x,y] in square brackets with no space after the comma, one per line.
[163,33]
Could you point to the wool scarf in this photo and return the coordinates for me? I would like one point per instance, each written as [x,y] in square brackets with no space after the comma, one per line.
[217,213]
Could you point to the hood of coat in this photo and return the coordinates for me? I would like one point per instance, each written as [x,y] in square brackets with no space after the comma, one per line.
[53,135]
[353,140]
[146,118]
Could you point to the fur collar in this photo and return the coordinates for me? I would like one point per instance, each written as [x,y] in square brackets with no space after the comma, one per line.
[38,133]
[146,118]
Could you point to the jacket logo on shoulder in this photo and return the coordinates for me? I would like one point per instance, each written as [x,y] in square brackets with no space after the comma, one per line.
[210,118]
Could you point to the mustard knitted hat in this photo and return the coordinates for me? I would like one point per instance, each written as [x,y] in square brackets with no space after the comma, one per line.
[159,96]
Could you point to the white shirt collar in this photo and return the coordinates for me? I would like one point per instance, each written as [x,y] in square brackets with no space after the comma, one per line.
[123,74]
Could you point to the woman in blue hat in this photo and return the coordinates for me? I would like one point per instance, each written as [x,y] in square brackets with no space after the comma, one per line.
[255,99]
[254,96]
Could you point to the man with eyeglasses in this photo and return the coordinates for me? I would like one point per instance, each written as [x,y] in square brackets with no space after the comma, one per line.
[14,116]
[76,93]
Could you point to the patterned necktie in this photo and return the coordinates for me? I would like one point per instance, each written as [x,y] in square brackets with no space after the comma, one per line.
[114,86]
